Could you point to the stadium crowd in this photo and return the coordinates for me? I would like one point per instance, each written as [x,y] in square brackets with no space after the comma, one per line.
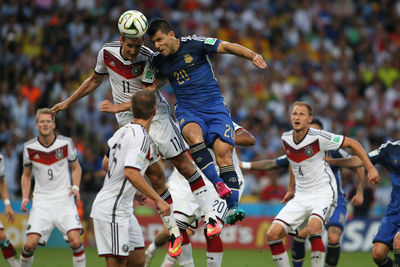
[343,57]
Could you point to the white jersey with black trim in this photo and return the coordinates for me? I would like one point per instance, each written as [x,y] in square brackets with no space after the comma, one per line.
[311,172]
[2,170]
[50,166]
[126,77]
[129,148]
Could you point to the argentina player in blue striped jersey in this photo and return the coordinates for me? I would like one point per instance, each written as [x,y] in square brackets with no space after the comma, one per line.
[337,220]
[200,110]
[388,236]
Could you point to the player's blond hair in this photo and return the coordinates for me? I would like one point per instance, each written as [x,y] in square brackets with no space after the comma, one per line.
[42,111]
[303,104]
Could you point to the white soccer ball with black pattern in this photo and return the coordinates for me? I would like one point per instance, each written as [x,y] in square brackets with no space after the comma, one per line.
[132,24]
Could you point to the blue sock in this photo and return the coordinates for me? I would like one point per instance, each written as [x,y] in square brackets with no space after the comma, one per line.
[386,263]
[230,178]
[298,251]
[332,254]
[205,162]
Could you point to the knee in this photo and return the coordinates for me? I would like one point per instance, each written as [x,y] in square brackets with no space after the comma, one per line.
[378,255]
[30,247]
[2,236]
[224,158]
[334,238]
[396,241]
[273,236]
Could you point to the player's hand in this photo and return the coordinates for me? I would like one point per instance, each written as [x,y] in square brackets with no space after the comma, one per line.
[58,107]
[329,160]
[24,203]
[10,214]
[259,62]
[140,197]
[75,192]
[358,199]
[107,106]
[288,196]
[163,208]
[373,176]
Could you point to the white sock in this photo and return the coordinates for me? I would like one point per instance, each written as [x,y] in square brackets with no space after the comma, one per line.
[317,258]
[202,196]
[214,259]
[13,262]
[168,261]
[79,261]
[152,247]
[281,260]
[26,262]
[170,223]
[185,258]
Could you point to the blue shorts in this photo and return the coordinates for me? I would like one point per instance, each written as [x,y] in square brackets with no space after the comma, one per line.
[339,216]
[215,121]
[388,229]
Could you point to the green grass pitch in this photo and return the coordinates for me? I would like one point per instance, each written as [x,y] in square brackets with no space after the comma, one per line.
[60,257]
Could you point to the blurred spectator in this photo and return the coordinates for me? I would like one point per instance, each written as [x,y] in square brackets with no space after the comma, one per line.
[273,192]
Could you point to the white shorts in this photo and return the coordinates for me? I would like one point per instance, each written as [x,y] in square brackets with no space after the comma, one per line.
[164,134]
[116,239]
[45,215]
[296,213]
[1,225]
[186,209]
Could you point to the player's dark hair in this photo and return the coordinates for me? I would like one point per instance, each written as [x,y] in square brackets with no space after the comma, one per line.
[159,25]
[304,104]
[317,122]
[143,104]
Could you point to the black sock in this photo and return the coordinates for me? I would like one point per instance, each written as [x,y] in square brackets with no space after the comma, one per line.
[228,174]
[205,162]
[332,254]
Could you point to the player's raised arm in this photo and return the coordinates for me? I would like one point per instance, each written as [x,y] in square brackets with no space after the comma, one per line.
[241,51]
[373,175]
[26,187]
[88,86]
[137,180]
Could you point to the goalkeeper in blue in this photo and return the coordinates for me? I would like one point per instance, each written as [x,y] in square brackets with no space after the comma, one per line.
[200,110]
[388,236]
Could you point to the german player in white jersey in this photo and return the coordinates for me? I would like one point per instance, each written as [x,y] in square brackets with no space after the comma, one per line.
[315,186]
[48,157]
[118,234]
[7,248]
[127,64]
[189,215]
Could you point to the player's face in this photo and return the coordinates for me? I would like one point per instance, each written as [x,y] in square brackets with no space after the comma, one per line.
[301,118]
[164,43]
[130,47]
[45,125]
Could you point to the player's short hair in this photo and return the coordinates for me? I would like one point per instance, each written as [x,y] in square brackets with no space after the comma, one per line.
[159,25]
[317,122]
[42,111]
[304,104]
[143,104]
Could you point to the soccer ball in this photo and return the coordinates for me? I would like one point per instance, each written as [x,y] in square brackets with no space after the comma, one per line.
[132,24]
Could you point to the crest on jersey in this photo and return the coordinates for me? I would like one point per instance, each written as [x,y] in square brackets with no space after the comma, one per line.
[188,58]
[309,151]
[136,70]
[59,154]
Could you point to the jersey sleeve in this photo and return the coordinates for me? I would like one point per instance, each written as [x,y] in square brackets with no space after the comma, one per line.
[100,64]
[236,126]
[2,170]
[26,160]
[210,45]
[72,153]
[329,141]
[282,161]
[149,73]
[341,153]
[138,146]
[376,156]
